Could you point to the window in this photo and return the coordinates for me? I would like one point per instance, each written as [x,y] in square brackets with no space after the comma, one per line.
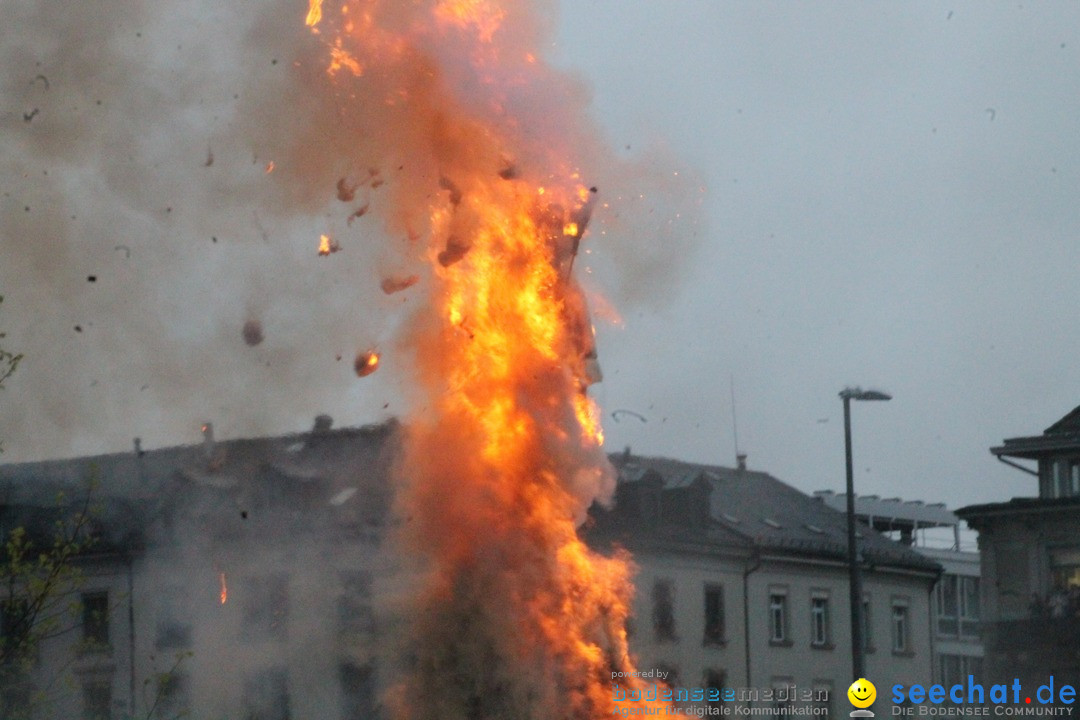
[948,606]
[357,692]
[97,701]
[663,611]
[968,594]
[819,621]
[714,678]
[822,697]
[266,608]
[784,694]
[266,696]
[953,669]
[1065,568]
[95,619]
[956,600]
[1060,478]
[778,631]
[900,639]
[714,615]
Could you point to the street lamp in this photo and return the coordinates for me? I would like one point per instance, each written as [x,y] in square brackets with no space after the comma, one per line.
[847,395]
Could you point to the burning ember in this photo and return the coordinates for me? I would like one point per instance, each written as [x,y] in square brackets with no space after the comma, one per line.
[327,246]
[514,615]
[224,588]
[366,363]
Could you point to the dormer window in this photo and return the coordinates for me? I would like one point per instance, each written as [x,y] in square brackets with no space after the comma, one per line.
[1060,478]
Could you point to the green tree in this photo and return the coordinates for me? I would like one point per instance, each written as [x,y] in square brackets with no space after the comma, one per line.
[39,600]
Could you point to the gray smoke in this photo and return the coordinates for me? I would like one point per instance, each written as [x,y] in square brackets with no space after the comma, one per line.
[137,139]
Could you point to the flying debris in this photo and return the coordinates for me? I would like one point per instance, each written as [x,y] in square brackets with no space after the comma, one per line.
[992,113]
[27,117]
[209,157]
[358,213]
[616,414]
[455,250]
[455,192]
[345,191]
[327,246]
[252,332]
[393,284]
[366,363]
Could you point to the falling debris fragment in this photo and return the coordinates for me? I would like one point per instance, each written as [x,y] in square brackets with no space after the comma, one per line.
[366,363]
[345,191]
[44,80]
[209,157]
[455,192]
[125,248]
[91,278]
[224,589]
[253,332]
[992,113]
[393,284]
[27,117]
[269,167]
[616,414]
[359,213]
[455,250]
[327,246]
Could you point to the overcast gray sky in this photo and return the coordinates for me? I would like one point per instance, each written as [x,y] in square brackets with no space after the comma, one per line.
[889,200]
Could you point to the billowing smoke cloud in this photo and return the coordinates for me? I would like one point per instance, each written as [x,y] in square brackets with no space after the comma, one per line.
[138,139]
[170,171]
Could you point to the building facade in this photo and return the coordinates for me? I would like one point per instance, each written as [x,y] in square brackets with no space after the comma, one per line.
[744,584]
[251,579]
[1030,551]
[934,532]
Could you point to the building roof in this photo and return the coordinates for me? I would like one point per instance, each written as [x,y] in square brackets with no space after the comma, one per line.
[758,511]
[1062,435]
[973,514]
[892,513]
[223,487]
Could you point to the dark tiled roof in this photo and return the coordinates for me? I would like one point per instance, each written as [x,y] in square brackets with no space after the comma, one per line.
[768,514]
[1068,424]
[1064,435]
[1020,506]
[304,477]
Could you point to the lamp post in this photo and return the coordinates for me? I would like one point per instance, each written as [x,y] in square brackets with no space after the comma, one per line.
[847,395]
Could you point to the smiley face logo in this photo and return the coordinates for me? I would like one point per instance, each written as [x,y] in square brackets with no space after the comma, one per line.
[862,693]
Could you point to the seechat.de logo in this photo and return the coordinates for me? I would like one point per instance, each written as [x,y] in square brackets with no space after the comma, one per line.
[862,695]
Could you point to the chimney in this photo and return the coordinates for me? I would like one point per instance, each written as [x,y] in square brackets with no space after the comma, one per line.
[740,461]
[138,447]
[208,439]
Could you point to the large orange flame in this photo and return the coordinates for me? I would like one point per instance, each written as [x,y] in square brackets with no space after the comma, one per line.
[515,616]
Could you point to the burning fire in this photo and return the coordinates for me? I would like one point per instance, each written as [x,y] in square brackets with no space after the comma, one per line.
[327,246]
[224,588]
[515,616]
